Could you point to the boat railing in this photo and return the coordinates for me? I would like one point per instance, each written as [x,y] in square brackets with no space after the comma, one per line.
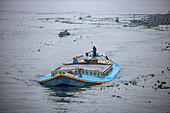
[78,72]
[55,72]
[88,60]
[107,70]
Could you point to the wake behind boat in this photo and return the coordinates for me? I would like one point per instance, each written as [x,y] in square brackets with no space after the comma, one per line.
[85,70]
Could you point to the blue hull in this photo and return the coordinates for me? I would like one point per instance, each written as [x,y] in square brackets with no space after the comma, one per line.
[62,80]
[79,81]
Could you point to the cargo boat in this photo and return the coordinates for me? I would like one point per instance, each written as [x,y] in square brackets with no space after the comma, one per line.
[84,70]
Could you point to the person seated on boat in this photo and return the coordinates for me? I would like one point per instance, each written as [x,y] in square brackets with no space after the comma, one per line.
[64,33]
[107,58]
[94,51]
[87,54]
[75,60]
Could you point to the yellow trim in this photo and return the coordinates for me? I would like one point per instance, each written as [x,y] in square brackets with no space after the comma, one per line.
[99,58]
[84,71]
[71,78]
[107,70]
[66,72]
[95,72]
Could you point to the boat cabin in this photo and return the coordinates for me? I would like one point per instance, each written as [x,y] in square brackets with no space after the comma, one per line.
[88,58]
[89,69]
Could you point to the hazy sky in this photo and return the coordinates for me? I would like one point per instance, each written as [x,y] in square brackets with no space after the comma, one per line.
[120,6]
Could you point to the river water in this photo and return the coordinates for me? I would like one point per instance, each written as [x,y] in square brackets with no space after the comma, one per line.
[31,48]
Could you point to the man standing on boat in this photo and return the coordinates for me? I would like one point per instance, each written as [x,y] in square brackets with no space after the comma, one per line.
[94,51]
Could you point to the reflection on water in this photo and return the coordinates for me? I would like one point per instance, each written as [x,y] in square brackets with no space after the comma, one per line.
[65,91]
[59,95]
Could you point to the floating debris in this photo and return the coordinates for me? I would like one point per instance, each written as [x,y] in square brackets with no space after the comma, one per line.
[163,83]
[69,22]
[63,100]
[160,85]
[40,27]
[126,83]
[6,72]
[116,96]
[80,18]
[101,88]
[88,16]
[57,20]
[74,40]
[134,82]
[166,87]
[111,86]
[158,81]
[113,95]
[148,101]
[152,75]
[117,85]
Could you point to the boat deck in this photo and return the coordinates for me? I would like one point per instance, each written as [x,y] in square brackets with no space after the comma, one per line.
[112,74]
[97,67]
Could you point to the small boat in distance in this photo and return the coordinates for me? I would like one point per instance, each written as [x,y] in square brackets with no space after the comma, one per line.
[88,16]
[85,70]
[137,21]
[157,19]
[80,18]
[64,33]
[117,19]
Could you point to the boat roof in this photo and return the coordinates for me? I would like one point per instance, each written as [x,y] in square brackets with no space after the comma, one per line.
[89,56]
[97,67]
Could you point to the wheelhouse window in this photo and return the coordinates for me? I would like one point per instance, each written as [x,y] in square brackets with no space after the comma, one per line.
[87,72]
[90,72]
[56,72]
[94,73]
